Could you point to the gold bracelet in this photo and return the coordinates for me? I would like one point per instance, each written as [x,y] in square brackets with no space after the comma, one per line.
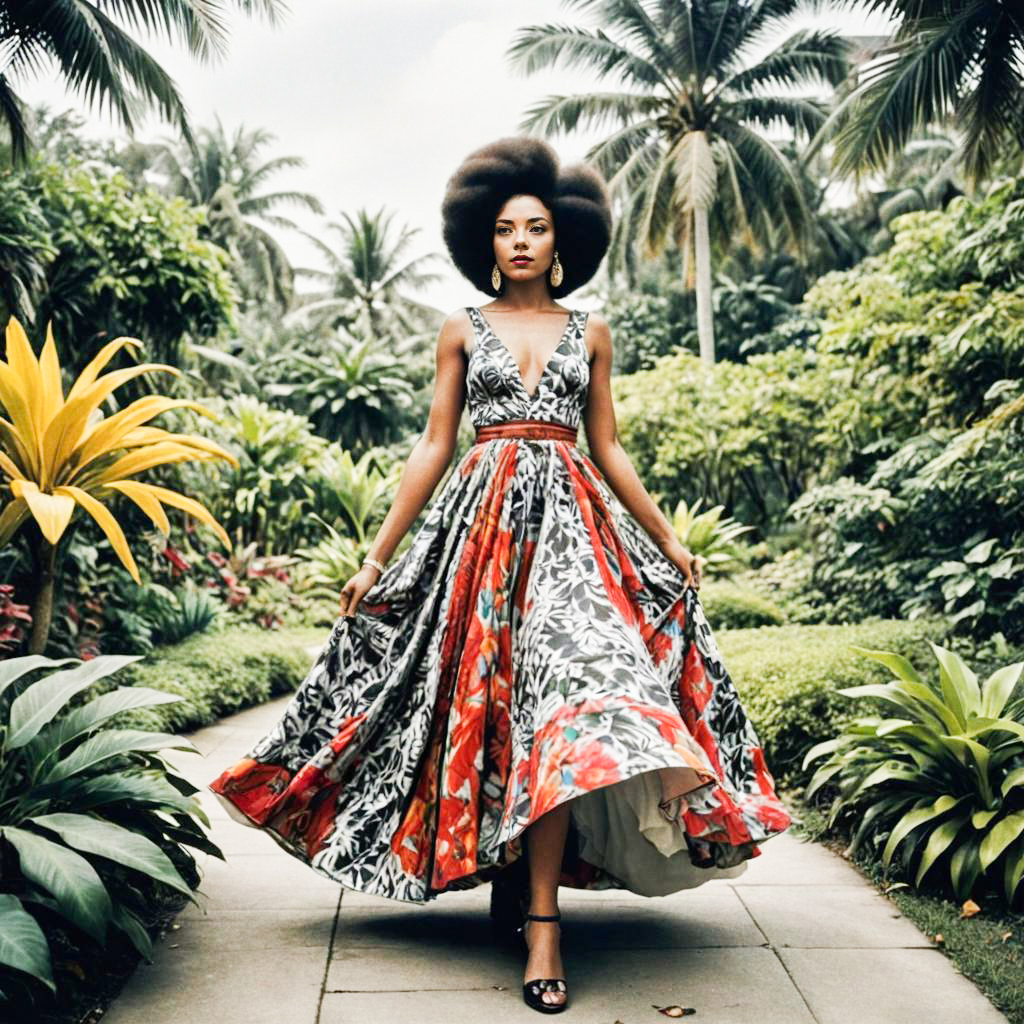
[374,563]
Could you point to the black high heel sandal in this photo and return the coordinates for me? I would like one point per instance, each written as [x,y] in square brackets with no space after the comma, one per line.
[533,991]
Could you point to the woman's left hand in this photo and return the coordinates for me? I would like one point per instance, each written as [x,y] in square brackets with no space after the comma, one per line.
[690,565]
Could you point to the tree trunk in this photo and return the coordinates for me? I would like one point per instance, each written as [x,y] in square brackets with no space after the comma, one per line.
[705,321]
[42,605]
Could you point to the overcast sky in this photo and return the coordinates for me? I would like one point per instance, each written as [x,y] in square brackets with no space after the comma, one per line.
[382,100]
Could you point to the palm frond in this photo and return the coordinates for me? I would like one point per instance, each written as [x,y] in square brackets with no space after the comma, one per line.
[804,116]
[808,56]
[539,47]
[555,114]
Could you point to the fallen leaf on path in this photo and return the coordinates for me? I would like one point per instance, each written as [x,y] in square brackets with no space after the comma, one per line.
[674,1011]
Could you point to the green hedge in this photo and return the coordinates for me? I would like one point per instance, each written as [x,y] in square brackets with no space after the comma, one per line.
[787,677]
[217,674]
[730,606]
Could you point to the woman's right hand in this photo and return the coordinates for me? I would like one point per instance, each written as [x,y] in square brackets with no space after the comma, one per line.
[353,591]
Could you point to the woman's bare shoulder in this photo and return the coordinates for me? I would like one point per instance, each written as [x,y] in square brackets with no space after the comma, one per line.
[597,334]
[457,330]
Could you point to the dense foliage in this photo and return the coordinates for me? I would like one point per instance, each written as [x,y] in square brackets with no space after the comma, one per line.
[943,779]
[930,516]
[85,807]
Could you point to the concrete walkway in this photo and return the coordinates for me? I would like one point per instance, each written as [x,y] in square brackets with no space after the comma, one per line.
[799,938]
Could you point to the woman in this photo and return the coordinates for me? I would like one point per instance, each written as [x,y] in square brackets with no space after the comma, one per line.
[531,690]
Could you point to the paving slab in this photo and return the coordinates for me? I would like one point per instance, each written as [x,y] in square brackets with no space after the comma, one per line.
[189,986]
[886,986]
[830,916]
[737,986]
[799,938]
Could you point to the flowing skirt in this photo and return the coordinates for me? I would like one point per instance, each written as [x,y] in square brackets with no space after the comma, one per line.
[531,646]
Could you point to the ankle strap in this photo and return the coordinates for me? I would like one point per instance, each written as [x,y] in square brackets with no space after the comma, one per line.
[543,917]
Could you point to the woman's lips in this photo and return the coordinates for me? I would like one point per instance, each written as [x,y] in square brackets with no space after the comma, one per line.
[522,260]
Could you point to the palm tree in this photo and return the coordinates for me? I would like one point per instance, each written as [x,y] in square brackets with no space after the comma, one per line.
[949,59]
[368,277]
[227,176]
[691,155]
[97,57]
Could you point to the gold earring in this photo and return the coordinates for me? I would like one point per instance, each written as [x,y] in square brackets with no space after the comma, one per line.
[556,271]
[496,278]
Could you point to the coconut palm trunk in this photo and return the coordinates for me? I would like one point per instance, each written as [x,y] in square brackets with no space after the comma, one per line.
[705,318]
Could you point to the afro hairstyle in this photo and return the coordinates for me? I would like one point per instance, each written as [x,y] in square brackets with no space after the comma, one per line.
[577,197]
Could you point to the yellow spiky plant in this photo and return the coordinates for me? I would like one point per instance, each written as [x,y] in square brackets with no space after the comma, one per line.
[58,454]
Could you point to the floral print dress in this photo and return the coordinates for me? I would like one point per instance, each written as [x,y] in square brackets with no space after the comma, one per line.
[531,646]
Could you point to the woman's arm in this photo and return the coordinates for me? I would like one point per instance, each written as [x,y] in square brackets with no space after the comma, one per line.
[432,453]
[611,459]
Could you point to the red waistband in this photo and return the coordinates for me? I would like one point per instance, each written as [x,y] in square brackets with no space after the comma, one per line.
[535,429]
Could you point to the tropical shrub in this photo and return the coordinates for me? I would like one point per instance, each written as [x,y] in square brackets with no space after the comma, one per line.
[943,778]
[750,436]
[708,535]
[176,614]
[351,383]
[730,606]
[331,562]
[82,802]
[128,261]
[265,499]
[12,615]
[789,677]
[938,527]
[219,673]
[934,322]
[56,456]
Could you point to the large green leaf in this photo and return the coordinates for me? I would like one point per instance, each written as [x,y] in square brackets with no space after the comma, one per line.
[134,929]
[918,816]
[959,684]
[124,698]
[121,845]
[86,792]
[937,844]
[980,726]
[981,756]
[821,776]
[1013,870]
[71,879]
[194,838]
[914,697]
[981,817]
[965,866]
[111,743]
[41,702]
[824,747]
[896,662]
[1012,780]
[885,773]
[998,687]
[22,942]
[12,669]
[1000,836]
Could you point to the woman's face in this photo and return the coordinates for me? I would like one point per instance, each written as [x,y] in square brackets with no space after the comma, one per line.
[524,238]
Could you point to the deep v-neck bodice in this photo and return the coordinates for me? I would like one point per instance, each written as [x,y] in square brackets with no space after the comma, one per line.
[494,383]
[512,360]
